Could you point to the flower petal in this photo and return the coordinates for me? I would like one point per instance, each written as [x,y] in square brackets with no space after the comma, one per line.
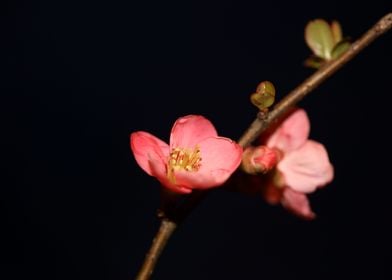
[220,158]
[307,168]
[271,193]
[151,154]
[147,148]
[292,133]
[297,203]
[188,131]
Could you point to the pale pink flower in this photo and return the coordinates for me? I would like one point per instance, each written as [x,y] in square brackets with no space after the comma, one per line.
[304,167]
[197,158]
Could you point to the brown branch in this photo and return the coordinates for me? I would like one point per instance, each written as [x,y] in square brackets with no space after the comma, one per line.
[262,122]
[171,219]
[166,229]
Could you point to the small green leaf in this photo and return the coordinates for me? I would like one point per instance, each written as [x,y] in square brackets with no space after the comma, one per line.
[318,36]
[340,48]
[337,33]
[314,62]
[264,96]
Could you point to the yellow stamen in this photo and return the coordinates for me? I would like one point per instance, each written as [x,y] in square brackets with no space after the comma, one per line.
[183,159]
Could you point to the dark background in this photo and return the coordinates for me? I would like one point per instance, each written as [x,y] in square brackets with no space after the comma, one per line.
[77,77]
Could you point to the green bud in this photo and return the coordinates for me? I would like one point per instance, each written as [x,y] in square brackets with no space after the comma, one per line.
[264,96]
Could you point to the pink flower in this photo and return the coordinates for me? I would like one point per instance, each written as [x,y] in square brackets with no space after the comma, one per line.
[304,167]
[195,159]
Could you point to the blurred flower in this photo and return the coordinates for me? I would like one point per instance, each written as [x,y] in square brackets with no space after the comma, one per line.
[197,158]
[304,166]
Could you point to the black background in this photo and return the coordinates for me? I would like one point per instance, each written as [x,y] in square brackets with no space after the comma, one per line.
[77,77]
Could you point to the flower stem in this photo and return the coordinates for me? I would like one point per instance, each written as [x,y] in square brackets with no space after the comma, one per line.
[171,219]
[261,123]
[166,229]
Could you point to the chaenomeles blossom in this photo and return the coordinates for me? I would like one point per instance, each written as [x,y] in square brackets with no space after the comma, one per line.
[196,158]
[303,165]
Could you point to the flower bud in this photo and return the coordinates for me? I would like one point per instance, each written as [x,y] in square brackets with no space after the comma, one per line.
[259,159]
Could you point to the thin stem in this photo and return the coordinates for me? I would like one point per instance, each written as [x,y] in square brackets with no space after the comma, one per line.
[170,221]
[261,123]
[166,229]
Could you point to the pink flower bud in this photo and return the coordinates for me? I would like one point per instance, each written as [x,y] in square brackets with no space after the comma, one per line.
[259,159]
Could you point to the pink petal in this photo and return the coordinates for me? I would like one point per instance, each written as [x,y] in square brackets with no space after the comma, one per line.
[292,133]
[271,193]
[220,158]
[152,154]
[298,203]
[147,148]
[188,131]
[307,168]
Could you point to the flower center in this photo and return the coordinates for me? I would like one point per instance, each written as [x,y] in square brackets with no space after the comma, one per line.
[183,159]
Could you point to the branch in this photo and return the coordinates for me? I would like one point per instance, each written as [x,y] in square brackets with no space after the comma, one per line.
[171,219]
[261,123]
[166,229]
